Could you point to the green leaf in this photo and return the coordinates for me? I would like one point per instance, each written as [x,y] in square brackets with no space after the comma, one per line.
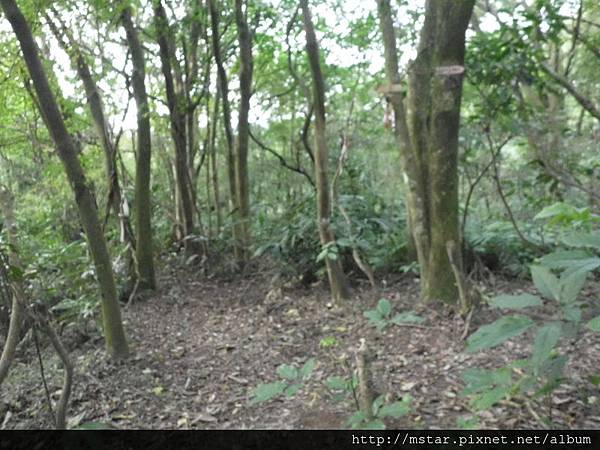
[94,426]
[329,341]
[322,255]
[373,425]
[377,404]
[384,307]
[357,418]
[468,423]
[553,368]
[344,242]
[376,319]
[292,389]
[373,315]
[595,380]
[288,372]
[337,383]
[583,240]
[548,387]
[594,324]
[572,312]
[265,392]
[545,340]
[573,261]
[308,368]
[571,285]
[395,410]
[516,301]
[546,283]
[584,266]
[564,258]
[498,332]
[490,398]
[555,209]
[477,380]
[407,317]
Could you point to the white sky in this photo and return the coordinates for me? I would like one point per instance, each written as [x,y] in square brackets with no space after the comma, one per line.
[337,21]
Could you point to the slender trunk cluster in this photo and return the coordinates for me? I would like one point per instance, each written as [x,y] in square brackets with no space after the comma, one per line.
[116,201]
[88,213]
[237,151]
[427,125]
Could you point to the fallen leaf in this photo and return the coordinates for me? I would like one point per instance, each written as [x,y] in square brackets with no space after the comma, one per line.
[408,386]
[202,417]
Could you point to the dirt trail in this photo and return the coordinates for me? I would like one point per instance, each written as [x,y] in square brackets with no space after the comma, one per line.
[201,346]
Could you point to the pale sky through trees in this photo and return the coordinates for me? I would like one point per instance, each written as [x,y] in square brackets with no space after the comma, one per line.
[337,21]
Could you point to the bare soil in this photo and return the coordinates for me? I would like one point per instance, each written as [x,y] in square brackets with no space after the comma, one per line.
[202,344]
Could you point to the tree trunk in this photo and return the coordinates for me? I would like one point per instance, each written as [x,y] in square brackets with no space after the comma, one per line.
[223,89]
[111,314]
[242,183]
[427,135]
[213,162]
[177,104]
[337,280]
[143,211]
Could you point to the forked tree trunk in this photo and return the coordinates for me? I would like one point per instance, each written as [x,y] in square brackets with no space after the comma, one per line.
[427,133]
[111,313]
[143,211]
[242,183]
[337,280]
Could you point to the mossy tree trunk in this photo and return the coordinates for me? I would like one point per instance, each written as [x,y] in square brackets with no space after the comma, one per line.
[111,314]
[427,125]
[143,210]
[337,280]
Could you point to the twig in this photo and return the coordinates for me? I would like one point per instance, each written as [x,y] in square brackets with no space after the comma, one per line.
[61,406]
[503,197]
[39,355]
[535,415]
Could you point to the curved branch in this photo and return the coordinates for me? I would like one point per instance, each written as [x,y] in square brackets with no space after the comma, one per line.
[511,217]
[476,182]
[282,160]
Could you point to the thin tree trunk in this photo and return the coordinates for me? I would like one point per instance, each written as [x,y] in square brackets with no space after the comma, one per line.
[337,280]
[242,183]
[111,313]
[143,209]
[17,312]
[223,89]
[213,162]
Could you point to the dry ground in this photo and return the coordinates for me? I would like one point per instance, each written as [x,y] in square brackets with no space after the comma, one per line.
[202,344]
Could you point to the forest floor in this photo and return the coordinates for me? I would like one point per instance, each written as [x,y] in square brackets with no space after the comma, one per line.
[202,344]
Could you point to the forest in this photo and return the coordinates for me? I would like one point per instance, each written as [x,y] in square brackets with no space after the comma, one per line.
[299,214]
